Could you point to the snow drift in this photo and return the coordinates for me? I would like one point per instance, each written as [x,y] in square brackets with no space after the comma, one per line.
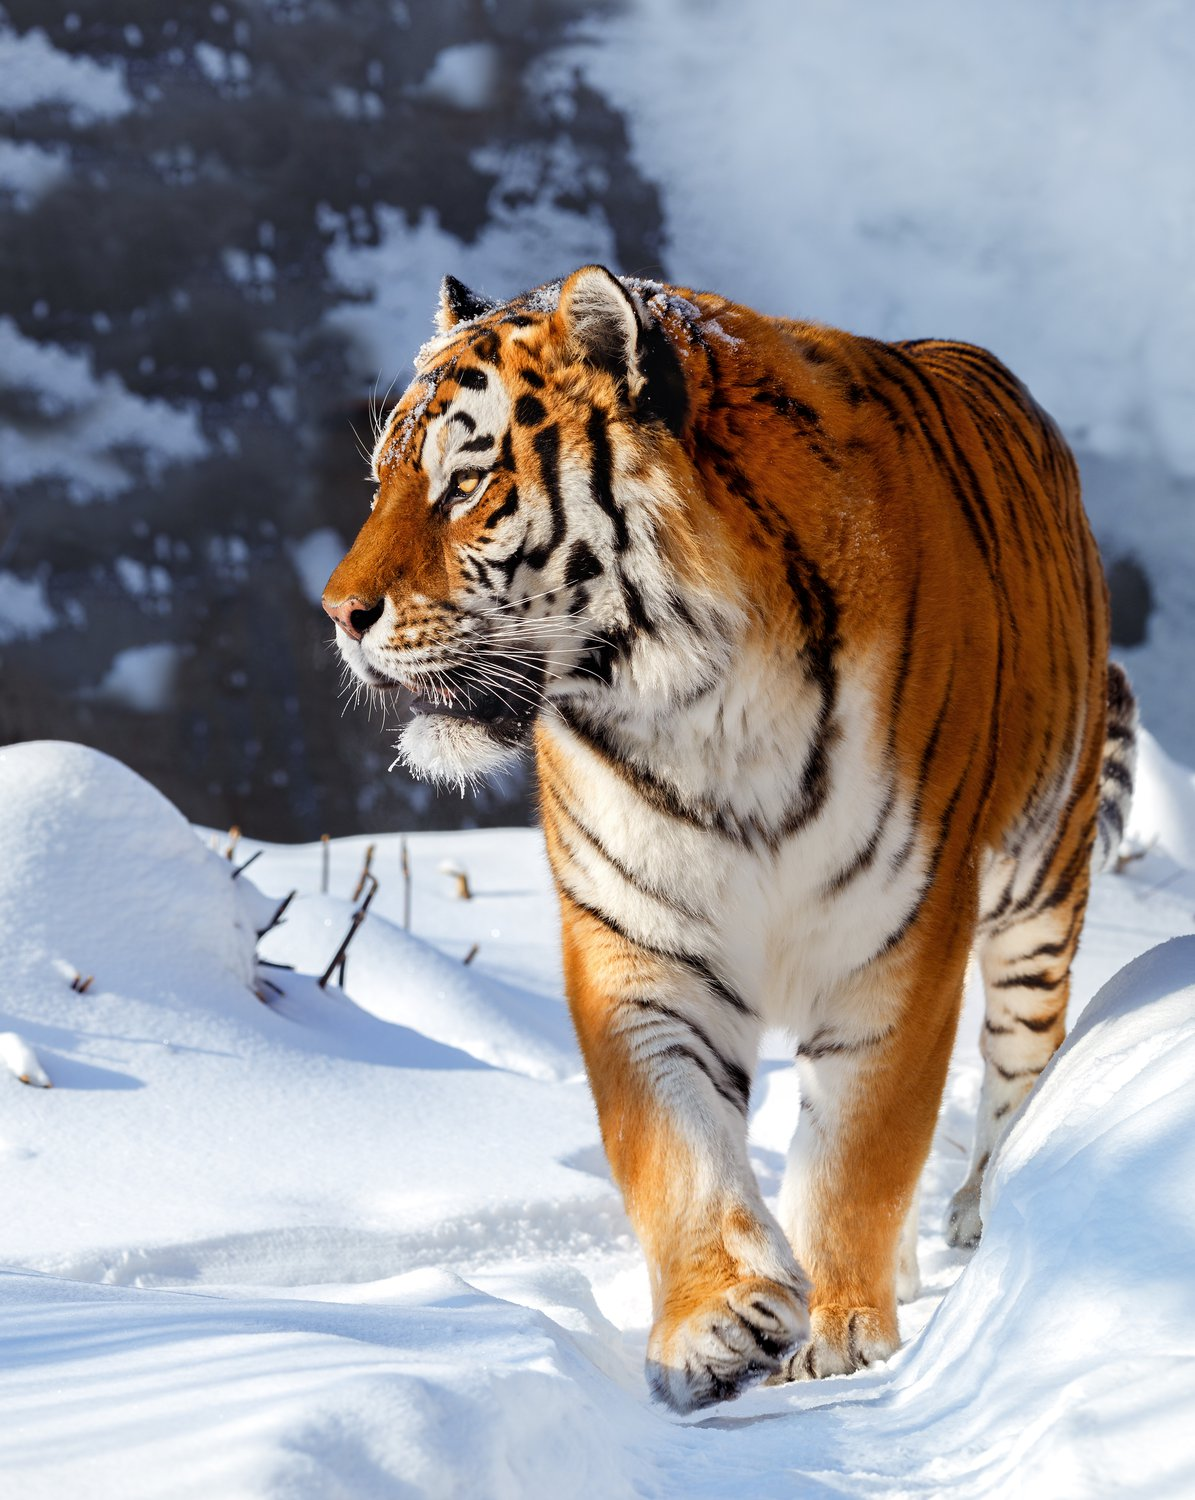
[364,1243]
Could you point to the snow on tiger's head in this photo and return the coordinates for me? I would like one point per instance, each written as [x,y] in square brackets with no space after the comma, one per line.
[527,536]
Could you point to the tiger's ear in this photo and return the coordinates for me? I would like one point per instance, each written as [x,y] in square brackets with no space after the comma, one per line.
[459,305]
[609,326]
[604,322]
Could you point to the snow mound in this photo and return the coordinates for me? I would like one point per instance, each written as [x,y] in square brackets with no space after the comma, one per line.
[209,1126]
[1163,812]
[399,978]
[102,876]
[1078,1304]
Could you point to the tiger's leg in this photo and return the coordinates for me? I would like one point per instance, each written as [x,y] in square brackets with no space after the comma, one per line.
[1025,960]
[908,1272]
[869,1102]
[669,1052]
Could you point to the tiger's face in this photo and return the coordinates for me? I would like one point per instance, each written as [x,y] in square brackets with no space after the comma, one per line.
[515,530]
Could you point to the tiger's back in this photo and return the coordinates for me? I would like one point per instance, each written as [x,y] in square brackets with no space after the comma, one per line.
[815,634]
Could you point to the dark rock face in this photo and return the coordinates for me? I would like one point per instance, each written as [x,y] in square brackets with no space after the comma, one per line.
[1130,598]
[155,486]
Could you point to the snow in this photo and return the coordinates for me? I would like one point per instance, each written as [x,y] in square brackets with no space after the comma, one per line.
[35,73]
[21,1061]
[399,276]
[314,557]
[28,171]
[464,75]
[24,607]
[277,1240]
[1002,174]
[142,677]
[99,417]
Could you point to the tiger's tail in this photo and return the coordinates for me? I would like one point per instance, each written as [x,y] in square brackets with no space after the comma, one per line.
[1117,770]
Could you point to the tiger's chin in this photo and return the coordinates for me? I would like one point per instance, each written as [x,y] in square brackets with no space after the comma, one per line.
[458,751]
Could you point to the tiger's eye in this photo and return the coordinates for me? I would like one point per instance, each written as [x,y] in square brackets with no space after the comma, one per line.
[467,482]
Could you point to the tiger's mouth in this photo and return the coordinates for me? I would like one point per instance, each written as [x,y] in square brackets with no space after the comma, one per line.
[499,698]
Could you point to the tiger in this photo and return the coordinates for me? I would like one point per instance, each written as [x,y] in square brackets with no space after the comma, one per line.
[808,635]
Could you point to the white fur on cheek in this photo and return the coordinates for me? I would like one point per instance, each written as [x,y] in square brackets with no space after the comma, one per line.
[455,752]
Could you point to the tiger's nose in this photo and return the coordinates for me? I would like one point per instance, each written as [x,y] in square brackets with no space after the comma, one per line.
[354,616]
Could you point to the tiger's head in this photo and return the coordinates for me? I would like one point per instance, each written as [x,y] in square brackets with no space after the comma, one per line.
[531,535]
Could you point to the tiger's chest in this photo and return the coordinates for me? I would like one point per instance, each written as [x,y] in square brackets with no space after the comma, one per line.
[742,830]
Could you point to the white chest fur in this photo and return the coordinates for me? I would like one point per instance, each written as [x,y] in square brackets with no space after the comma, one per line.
[685,855]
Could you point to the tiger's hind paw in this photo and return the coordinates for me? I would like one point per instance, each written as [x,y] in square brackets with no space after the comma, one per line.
[842,1340]
[963,1223]
[730,1342]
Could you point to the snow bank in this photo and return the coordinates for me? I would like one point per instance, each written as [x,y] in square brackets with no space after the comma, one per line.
[1065,1352]
[193,1113]
[101,875]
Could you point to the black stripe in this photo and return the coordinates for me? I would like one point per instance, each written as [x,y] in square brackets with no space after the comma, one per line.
[678,1049]
[1009,1074]
[659,794]
[511,564]
[1037,1023]
[737,1077]
[904,659]
[471,378]
[989,771]
[691,961]
[507,508]
[635,881]
[582,565]
[977,497]
[866,856]
[529,411]
[932,442]
[910,918]
[817,607]
[602,471]
[547,449]
[821,1044]
[486,346]
[637,615]
[1037,981]
[769,1345]
[1052,950]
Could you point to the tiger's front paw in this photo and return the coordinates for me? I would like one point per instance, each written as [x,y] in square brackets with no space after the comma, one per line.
[726,1344]
[841,1341]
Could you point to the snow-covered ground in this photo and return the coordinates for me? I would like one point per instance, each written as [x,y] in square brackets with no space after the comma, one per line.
[263,1239]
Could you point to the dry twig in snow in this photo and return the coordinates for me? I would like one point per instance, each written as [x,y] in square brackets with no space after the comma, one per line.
[21,1061]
